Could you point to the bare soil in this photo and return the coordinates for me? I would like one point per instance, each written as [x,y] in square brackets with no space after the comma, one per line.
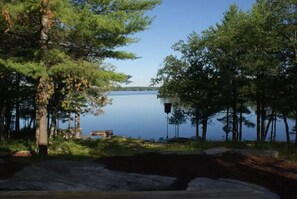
[277,175]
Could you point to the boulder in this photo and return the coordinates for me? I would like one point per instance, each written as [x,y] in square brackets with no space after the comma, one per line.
[263,153]
[21,154]
[229,185]
[216,151]
[61,175]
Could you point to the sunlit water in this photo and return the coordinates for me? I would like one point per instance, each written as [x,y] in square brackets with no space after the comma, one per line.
[141,115]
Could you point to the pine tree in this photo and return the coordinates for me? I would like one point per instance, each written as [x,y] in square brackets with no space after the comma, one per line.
[46,38]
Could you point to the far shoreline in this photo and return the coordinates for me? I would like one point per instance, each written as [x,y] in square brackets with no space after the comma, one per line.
[136,88]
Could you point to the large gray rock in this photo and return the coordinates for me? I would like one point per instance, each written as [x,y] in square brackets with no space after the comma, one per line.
[216,151]
[225,185]
[59,175]
[263,153]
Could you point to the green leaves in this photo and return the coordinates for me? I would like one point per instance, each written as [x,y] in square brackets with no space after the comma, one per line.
[249,55]
[82,33]
[62,45]
[30,69]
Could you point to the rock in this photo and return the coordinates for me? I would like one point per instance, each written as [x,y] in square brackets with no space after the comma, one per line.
[267,153]
[216,151]
[225,185]
[180,153]
[21,154]
[59,175]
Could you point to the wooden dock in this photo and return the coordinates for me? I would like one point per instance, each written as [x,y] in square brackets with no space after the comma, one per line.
[103,133]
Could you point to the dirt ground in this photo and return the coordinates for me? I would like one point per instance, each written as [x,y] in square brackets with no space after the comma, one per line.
[277,175]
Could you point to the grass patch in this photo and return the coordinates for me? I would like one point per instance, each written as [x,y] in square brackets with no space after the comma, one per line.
[120,146]
[17,145]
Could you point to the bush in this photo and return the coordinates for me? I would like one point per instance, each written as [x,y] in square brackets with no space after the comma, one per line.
[17,145]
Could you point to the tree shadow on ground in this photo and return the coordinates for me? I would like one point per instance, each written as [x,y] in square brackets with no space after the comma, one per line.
[257,170]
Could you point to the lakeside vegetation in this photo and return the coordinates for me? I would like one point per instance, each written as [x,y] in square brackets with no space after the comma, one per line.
[247,62]
[58,72]
[120,146]
[58,69]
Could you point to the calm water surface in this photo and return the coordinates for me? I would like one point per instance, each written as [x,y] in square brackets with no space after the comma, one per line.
[141,115]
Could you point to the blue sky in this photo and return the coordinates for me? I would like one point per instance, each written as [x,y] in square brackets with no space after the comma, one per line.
[174,21]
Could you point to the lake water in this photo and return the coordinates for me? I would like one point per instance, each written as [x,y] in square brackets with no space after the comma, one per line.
[141,115]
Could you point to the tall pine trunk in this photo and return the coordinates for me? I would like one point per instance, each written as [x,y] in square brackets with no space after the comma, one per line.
[2,121]
[17,105]
[296,129]
[287,128]
[227,122]
[41,131]
[53,128]
[258,122]
[263,121]
[274,130]
[240,120]
[270,123]
[273,127]
[197,127]
[258,111]
[8,119]
[228,112]
[45,88]
[234,114]
[77,128]
[69,120]
[43,140]
[204,127]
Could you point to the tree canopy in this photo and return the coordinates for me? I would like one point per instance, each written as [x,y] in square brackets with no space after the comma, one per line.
[58,47]
[245,62]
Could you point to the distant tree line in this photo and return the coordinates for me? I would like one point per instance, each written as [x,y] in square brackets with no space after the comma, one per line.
[136,88]
[52,56]
[247,60]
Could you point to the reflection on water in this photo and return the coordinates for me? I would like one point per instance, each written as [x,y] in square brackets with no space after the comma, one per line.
[140,114]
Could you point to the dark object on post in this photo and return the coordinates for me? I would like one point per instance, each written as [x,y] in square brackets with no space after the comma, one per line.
[104,133]
[167,107]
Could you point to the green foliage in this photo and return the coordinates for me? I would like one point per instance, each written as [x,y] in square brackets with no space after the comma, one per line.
[126,147]
[17,145]
[114,146]
[178,117]
[191,78]
[96,148]
[68,148]
[119,146]
[62,45]
[249,59]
